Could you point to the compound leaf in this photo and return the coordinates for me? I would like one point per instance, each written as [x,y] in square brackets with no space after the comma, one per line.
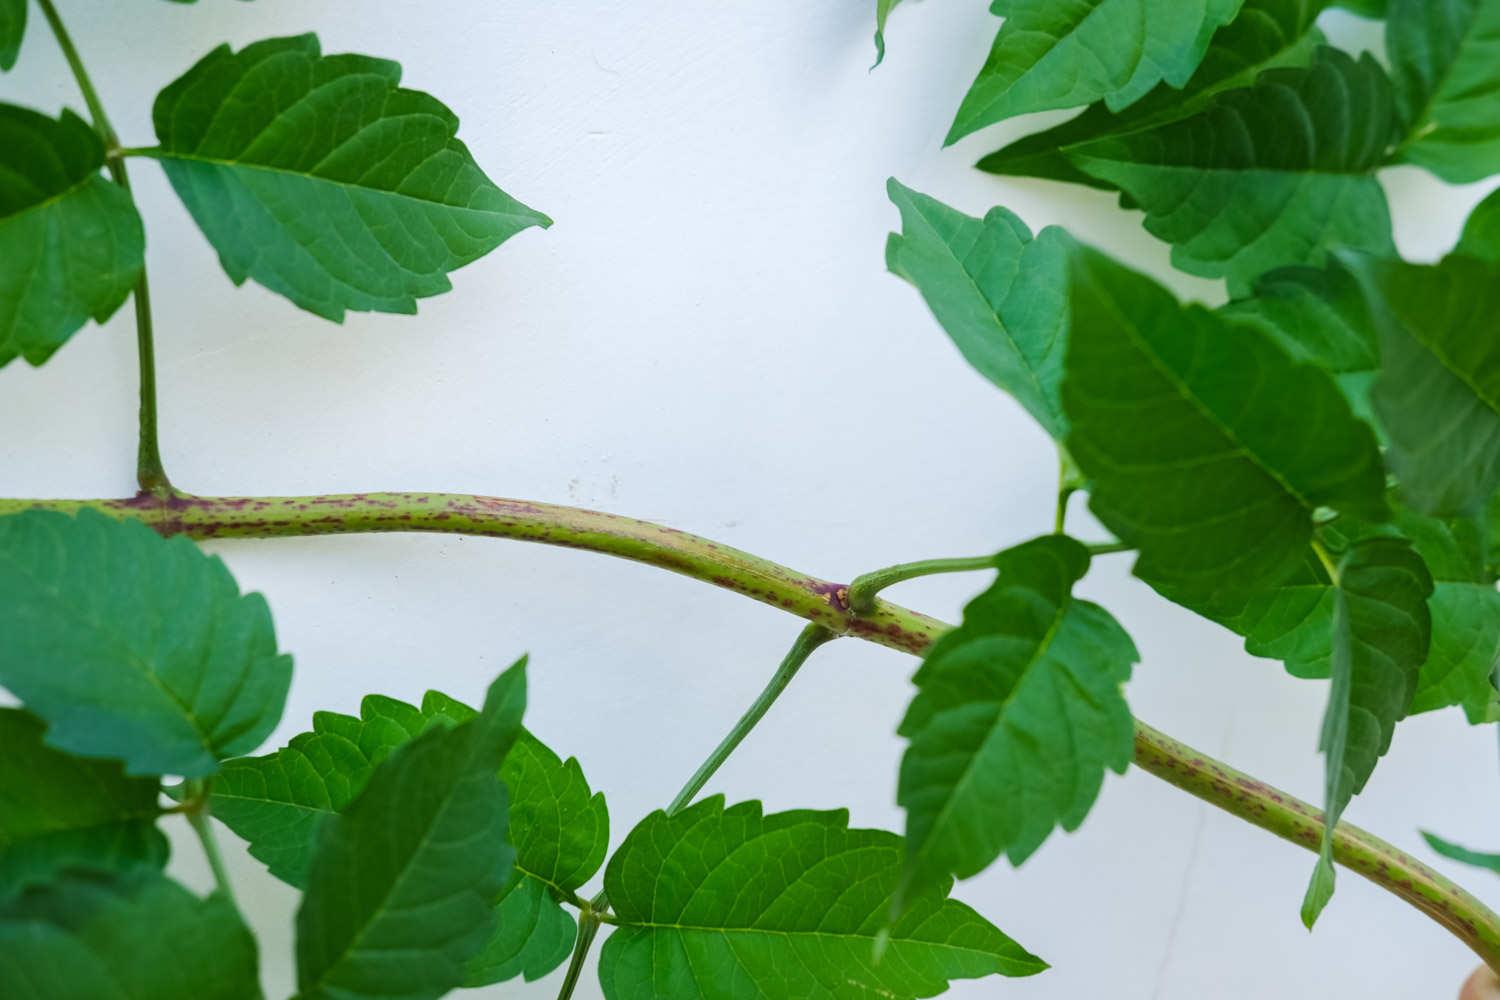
[1267,34]
[71,244]
[558,826]
[996,291]
[58,811]
[1438,393]
[1018,715]
[124,936]
[134,647]
[1063,55]
[1481,236]
[326,182]
[731,904]
[1445,56]
[1381,630]
[1208,448]
[1268,176]
[402,887]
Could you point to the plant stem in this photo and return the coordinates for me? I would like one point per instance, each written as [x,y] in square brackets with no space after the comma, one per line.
[196,802]
[150,474]
[588,929]
[864,588]
[818,601]
[809,640]
[1330,566]
[1109,548]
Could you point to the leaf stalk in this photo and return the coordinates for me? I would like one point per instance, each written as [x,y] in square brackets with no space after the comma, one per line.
[864,588]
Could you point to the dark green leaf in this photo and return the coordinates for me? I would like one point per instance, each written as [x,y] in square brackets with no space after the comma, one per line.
[1481,236]
[134,647]
[1268,34]
[71,245]
[1018,715]
[12,29]
[124,936]
[324,181]
[1208,447]
[402,888]
[1239,192]
[1438,393]
[1445,56]
[58,811]
[1451,850]
[1373,9]
[560,828]
[996,291]
[728,904]
[1381,630]
[1064,55]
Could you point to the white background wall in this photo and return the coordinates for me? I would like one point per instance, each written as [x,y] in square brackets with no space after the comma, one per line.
[708,338]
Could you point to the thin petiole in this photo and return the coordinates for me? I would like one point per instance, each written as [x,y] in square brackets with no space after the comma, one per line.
[863,590]
[150,474]
[1326,558]
[196,811]
[1109,548]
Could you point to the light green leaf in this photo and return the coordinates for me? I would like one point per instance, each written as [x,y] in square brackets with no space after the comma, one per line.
[1438,393]
[1267,34]
[71,245]
[559,827]
[883,10]
[730,904]
[134,647]
[12,29]
[1448,849]
[995,290]
[402,888]
[124,936]
[1018,715]
[1208,447]
[58,811]
[1063,55]
[1481,237]
[324,181]
[1445,57]
[1238,191]
[1381,629]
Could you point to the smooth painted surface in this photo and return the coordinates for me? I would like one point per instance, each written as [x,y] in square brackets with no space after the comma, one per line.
[708,338]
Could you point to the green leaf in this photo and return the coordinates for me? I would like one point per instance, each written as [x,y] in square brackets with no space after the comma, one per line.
[124,936]
[1445,57]
[1438,393]
[1381,630]
[1053,55]
[134,647]
[995,290]
[401,891]
[560,829]
[71,245]
[1018,715]
[883,10]
[1451,850]
[324,181]
[58,811]
[1481,237]
[12,29]
[725,904]
[1208,447]
[1267,34]
[1238,192]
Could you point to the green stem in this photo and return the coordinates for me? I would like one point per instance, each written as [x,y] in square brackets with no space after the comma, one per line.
[150,473]
[864,588]
[1109,548]
[588,929]
[196,798]
[808,597]
[1330,566]
[809,640]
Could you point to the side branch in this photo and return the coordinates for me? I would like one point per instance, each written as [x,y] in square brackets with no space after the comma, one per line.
[818,601]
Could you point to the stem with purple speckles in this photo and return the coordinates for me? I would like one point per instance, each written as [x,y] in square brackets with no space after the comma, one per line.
[818,601]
